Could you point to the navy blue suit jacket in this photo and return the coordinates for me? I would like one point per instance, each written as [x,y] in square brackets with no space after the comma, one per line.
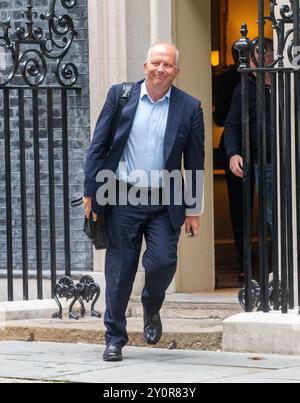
[184,137]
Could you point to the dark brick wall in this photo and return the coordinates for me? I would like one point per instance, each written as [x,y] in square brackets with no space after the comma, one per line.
[79,131]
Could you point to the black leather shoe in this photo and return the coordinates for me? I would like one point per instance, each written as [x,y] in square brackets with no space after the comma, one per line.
[113,354]
[152,328]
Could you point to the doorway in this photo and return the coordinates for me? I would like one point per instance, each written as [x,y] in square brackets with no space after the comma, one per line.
[227,17]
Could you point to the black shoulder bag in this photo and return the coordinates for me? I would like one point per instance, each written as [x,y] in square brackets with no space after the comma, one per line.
[97,231]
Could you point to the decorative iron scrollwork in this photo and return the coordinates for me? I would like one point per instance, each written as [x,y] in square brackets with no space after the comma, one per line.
[32,62]
[88,291]
[65,288]
[84,291]
[256,296]
[281,18]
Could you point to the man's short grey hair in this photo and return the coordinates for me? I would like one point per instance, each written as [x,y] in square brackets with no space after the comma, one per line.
[164,43]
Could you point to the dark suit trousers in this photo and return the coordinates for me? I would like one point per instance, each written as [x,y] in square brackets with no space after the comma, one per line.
[235,193]
[127,226]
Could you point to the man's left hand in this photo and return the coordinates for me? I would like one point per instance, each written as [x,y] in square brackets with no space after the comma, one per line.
[87,205]
[192,226]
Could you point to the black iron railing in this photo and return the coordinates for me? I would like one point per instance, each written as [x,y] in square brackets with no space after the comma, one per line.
[36,75]
[279,276]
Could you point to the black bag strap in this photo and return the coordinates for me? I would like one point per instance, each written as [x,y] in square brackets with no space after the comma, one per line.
[123,100]
[77,202]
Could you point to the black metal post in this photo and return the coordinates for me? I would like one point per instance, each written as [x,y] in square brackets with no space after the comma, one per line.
[262,163]
[247,191]
[283,200]
[289,193]
[244,47]
[37,185]
[23,190]
[51,191]
[274,162]
[9,238]
[64,105]
[297,134]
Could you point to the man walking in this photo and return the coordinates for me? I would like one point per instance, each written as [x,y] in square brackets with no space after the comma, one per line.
[158,126]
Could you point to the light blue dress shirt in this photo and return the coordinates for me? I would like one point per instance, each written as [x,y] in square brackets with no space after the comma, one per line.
[145,147]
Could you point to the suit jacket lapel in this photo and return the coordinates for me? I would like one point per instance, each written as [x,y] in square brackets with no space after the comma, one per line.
[174,119]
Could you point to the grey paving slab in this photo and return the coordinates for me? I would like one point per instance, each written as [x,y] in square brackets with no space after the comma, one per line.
[39,370]
[82,353]
[259,361]
[165,372]
[16,347]
[289,374]
[83,363]
[77,355]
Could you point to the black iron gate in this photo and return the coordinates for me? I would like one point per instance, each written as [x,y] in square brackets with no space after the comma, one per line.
[36,81]
[278,287]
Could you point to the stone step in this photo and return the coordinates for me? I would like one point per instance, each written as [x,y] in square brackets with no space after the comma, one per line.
[177,333]
[190,321]
[219,305]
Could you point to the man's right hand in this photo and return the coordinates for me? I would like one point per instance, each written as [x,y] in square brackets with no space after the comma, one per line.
[237,166]
[87,205]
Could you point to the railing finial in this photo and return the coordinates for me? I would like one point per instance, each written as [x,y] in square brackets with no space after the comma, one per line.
[244,47]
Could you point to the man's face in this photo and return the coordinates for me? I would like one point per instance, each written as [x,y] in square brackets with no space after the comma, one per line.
[269,58]
[161,69]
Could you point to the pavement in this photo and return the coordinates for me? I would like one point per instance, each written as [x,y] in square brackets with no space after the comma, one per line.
[22,362]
